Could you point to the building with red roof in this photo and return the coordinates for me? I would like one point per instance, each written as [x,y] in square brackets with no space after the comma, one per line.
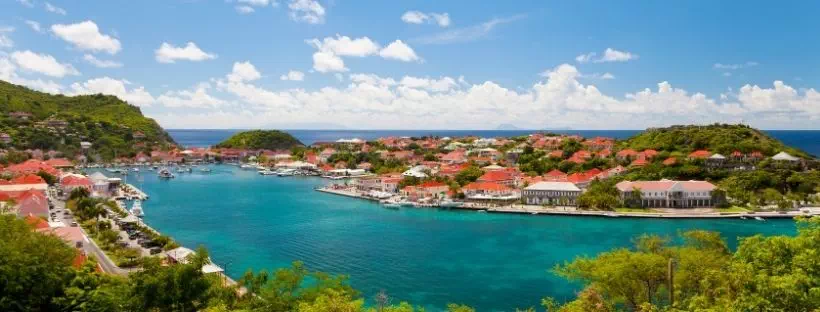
[36,223]
[640,162]
[504,177]
[670,161]
[428,189]
[556,154]
[700,154]
[59,163]
[626,154]
[490,192]
[31,202]
[32,166]
[71,182]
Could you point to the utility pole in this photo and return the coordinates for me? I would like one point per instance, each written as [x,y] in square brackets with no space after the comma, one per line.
[671,281]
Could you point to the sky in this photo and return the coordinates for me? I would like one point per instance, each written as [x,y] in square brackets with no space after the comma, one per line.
[339,64]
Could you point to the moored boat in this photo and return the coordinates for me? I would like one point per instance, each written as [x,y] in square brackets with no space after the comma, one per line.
[164,173]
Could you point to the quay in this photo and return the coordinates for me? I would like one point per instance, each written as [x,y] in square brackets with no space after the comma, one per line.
[133,192]
[571,211]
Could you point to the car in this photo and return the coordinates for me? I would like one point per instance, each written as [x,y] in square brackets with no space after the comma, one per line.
[155,250]
[132,236]
[74,224]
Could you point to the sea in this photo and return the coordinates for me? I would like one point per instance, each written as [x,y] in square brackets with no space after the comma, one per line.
[428,257]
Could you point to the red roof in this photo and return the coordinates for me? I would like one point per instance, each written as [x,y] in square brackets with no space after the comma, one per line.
[75,181]
[650,153]
[59,163]
[496,176]
[670,161]
[555,173]
[36,222]
[557,154]
[700,154]
[579,177]
[486,186]
[576,159]
[431,184]
[627,153]
[32,166]
[640,162]
[737,154]
[28,179]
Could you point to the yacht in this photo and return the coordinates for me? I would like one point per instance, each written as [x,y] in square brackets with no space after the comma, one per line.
[406,203]
[205,169]
[759,219]
[164,173]
[248,166]
[267,172]
[136,209]
[135,169]
[286,172]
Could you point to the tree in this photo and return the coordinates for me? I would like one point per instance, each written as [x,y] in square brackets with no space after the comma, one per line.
[50,179]
[470,174]
[78,193]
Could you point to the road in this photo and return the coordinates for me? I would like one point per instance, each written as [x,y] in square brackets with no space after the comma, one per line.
[91,247]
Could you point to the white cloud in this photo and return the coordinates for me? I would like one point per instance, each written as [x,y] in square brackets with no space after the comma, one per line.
[612,55]
[119,88]
[244,9]
[416,17]
[27,3]
[372,79]
[600,76]
[35,26]
[308,11]
[8,72]
[609,55]
[53,9]
[168,53]
[42,63]
[91,59]
[467,34]
[5,41]
[398,50]
[259,3]
[324,62]
[293,75]
[86,36]
[243,71]
[345,46]
[720,66]
[196,98]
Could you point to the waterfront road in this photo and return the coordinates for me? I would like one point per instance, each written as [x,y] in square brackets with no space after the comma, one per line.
[90,248]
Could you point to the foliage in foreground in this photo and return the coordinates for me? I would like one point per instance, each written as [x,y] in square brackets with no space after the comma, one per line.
[779,273]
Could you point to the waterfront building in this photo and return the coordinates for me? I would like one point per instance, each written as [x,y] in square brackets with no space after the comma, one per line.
[669,194]
[551,193]
[71,182]
[490,192]
[429,189]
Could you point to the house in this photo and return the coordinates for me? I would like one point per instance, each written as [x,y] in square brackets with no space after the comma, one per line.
[716,161]
[417,172]
[555,175]
[85,145]
[454,157]
[785,157]
[59,163]
[326,153]
[668,193]
[699,154]
[32,166]
[20,115]
[551,193]
[490,192]
[640,162]
[71,182]
[179,255]
[429,189]
[559,154]
[32,202]
[513,155]
[5,138]
[504,177]
[626,154]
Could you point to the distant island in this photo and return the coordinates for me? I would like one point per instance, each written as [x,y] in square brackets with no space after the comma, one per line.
[261,139]
[100,127]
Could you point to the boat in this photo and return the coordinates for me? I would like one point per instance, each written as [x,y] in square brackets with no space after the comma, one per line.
[135,169]
[405,203]
[164,173]
[394,206]
[267,172]
[206,170]
[534,213]
[248,166]
[450,204]
[136,209]
[759,219]
[743,217]
[286,172]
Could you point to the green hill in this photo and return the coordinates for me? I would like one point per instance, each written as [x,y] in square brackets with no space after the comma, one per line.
[59,122]
[718,138]
[261,139]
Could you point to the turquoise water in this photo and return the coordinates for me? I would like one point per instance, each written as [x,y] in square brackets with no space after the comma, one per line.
[425,256]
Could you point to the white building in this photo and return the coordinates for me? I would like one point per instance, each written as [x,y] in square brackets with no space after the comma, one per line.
[551,193]
[669,194]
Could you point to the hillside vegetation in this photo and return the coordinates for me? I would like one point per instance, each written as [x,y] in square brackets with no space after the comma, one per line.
[717,138]
[261,139]
[109,123]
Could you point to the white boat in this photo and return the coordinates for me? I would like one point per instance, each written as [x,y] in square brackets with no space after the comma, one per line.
[267,172]
[759,219]
[285,172]
[392,205]
[248,166]
[136,209]
[260,167]
[743,217]
[406,203]
[164,173]
[205,169]
[136,170]
[450,204]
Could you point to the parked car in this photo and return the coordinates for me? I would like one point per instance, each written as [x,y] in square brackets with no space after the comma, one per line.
[155,250]
[74,224]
